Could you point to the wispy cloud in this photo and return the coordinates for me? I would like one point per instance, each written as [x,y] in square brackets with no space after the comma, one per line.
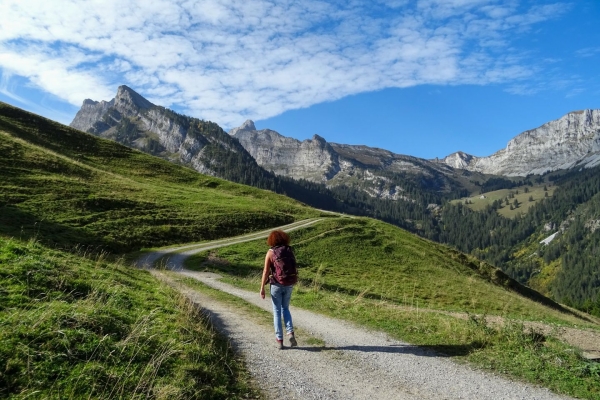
[7,88]
[227,60]
[588,52]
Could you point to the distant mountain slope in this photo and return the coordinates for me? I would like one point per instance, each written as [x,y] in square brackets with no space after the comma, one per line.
[553,247]
[571,141]
[133,121]
[377,172]
[67,187]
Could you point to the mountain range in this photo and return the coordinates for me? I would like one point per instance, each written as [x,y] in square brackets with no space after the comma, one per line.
[571,141]
[568,142]
[410,192]
[379,173]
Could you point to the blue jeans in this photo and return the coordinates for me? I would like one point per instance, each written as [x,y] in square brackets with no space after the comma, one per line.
[280,296]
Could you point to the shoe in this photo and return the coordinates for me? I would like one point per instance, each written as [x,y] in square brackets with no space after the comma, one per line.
[280,345]
[293,342]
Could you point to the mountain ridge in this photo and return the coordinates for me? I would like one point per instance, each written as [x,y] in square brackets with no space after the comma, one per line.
[570,141]
[378,172]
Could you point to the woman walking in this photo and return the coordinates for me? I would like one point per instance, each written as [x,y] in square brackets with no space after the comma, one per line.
[281,272]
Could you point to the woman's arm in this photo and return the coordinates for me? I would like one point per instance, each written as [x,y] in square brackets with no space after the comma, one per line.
[265,274]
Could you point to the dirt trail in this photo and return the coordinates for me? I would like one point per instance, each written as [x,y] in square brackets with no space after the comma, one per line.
[354,363]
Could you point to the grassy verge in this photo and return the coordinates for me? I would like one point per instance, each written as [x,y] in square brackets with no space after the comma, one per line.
[74,327]
[342,277]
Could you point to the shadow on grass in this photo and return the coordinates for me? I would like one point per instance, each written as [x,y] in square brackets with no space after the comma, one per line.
[429,351]
[17,223]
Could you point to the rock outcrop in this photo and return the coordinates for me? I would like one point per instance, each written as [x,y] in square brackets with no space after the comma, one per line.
[313,159]
[571,141]
[104,119]
[134,121]
[377,172]
[90,113]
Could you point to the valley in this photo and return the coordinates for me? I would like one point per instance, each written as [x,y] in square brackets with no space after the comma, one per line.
[419,195]
[81,322]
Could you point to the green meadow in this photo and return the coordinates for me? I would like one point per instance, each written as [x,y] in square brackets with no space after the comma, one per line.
[67,188]
[525,196]
[78,322]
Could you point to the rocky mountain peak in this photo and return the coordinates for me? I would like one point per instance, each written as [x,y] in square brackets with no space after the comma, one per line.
[319,139]
[91,111]
[129,102]
[248,125]
[460,160]
[572,140]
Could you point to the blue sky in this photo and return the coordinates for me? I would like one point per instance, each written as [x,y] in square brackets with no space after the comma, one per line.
[418,77]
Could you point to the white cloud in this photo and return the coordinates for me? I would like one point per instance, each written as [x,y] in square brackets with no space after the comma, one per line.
[228,60]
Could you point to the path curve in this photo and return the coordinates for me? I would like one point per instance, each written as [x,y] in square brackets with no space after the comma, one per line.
[174,256]
[354,363]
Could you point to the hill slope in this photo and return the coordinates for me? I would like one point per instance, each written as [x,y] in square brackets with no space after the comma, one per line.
[68,187]
[368,258]
[74,327]
[566,267]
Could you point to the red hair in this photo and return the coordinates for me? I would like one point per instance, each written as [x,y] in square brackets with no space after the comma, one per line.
[278,238]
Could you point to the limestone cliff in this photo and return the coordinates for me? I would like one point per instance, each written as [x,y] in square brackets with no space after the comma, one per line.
[313,159]
[380,173]
[571,141]
[134,121]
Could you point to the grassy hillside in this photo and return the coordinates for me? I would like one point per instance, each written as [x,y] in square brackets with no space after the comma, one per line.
[75,327]
[525,196]
[382,277]
[69,188]
[368,258]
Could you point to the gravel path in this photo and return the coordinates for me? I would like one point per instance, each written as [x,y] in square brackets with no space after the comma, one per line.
[354,363]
